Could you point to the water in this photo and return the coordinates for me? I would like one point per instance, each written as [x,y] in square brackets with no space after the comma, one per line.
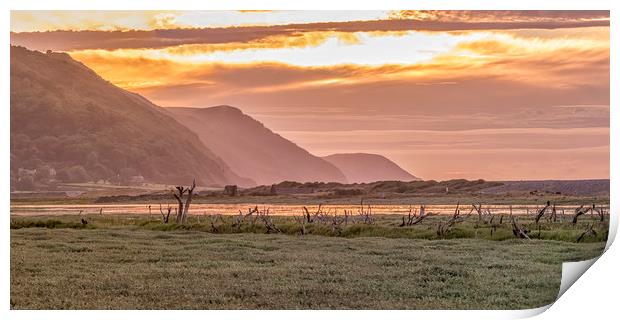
[275,209]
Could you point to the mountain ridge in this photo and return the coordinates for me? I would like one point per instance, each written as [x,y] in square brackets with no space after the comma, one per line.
[65,116]
[369,167]
[252,149]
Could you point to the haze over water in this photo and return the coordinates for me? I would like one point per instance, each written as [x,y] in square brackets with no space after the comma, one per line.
[274,209]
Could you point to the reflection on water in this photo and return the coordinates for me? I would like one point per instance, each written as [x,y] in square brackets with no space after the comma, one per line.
[275,209]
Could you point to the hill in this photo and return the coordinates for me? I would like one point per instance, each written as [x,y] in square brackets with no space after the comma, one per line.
[252,150]
[594,187]
[70,124]
[365,168]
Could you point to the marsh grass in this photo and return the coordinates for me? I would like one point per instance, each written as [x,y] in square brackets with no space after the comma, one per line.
[138,262]
[386,226]
[128,268]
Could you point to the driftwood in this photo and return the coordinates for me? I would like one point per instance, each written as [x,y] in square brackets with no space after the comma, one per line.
[266,218]
[578,212]
[337,222]
[323,216]
[183,205]
[479,210]
[444,227]
[589,230]
[482,214]
[519,231]
[365,215]
[302,223]
[347,214]
[542,211]
[413,218]
[165,217]
[213,221]
[600,211]
[242,217]
[311,217]
[554,214]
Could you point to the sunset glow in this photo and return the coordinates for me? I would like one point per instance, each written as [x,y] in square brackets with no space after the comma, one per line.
[494,95]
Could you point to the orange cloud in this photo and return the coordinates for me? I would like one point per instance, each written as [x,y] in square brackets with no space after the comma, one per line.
[541,62]
[501,15]
[65,40]
[296,40]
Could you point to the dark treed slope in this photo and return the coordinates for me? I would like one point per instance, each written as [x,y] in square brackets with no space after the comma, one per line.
[252,150]
[365,168]
[64,116]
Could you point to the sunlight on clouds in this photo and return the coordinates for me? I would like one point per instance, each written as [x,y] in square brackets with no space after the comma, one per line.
[429,57]
[363,48]
[41,20]
[297,40]
[311,49]
[27,21]
[502,44]
[449,85]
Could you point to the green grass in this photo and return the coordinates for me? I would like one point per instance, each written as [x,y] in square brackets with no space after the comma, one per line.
[386,226]
[116,267]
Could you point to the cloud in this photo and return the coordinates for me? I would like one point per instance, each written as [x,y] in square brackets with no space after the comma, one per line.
[502,15]
[494,95]
[64,40]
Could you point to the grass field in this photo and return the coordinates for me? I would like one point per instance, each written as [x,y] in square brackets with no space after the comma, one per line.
[387,226]
[130,262]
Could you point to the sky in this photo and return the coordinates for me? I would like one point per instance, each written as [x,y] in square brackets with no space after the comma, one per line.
[497,95]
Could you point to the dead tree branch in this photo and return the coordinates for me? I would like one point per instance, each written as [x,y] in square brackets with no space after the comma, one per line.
[519,231]
[578,212]
[242,217]
[482,213]
[266,218]
[165,217]
[183,205]
[444,227]
[311,217]
[413,218]
[302,223]
[600,211]
[365,215]
[542,211]
[589,230]
[337,224]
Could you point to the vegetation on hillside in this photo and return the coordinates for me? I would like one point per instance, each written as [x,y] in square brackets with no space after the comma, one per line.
[66,118]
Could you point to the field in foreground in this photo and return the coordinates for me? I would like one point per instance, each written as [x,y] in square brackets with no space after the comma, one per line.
[180,269]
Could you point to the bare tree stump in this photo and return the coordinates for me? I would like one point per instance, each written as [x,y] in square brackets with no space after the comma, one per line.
[183,208]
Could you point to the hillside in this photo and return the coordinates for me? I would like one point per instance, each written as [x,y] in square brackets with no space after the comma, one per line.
[70,124]
[365,168]
[252,150]
[594,187]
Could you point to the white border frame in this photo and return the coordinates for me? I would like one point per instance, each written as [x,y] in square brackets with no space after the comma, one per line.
[591,296]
